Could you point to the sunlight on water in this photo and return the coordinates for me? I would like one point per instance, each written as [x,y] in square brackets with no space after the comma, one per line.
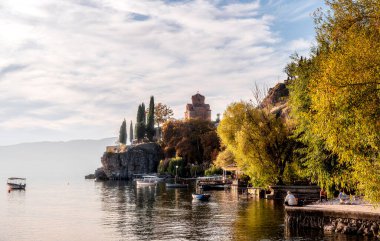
[87,210]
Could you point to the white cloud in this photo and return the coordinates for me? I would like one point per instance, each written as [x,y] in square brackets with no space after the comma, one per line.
[84,65]
[302,46]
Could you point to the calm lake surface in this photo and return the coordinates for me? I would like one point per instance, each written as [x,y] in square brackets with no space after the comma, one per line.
[117,210]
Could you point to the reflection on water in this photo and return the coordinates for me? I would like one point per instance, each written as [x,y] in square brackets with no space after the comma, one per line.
[118,210]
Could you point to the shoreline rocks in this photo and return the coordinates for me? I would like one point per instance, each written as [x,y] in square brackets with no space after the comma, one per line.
[89,176]
[136,159]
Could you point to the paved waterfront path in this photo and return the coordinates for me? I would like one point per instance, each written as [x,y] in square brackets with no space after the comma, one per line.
[362,208]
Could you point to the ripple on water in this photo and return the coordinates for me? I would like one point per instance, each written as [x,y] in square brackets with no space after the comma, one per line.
[119,211]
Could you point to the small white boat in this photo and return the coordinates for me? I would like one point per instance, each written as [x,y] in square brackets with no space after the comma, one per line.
[147,181]
[153,177]
[16,183]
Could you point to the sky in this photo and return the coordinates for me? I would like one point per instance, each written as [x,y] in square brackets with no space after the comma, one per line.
[74,69]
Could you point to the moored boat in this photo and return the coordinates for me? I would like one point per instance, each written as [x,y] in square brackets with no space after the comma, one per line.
[16,183]
[146,181]
[201,197]
[177,185]
[207,187]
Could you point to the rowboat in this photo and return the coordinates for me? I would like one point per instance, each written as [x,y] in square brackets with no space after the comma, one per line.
[201,197]
[16,183]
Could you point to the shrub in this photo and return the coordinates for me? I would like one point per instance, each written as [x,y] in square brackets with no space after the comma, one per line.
[213,170]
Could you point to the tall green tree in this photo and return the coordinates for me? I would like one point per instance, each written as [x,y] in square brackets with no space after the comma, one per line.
[144,113]
[140,123]
[131,132]
[150,120]
[123,133]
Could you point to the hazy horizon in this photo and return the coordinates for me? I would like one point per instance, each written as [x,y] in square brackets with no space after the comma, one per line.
[69,160]
[60,141]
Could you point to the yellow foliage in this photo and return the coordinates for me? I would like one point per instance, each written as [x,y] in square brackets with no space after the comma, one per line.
[345,91]
[258,141]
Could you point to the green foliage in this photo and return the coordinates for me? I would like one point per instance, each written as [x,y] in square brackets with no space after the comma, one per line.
[169,166]
[143,114]
[131,132]
[140,123]
[225,158]
[213,170]
[150,121]
[317,162]
[123,133]
[258,140]
[195,170]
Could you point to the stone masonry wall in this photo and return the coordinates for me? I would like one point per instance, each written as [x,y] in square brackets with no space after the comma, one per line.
[354,223]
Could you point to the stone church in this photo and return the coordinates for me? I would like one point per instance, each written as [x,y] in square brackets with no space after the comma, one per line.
[198,108]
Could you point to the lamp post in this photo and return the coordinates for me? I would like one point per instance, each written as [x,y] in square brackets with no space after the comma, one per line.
[176,168]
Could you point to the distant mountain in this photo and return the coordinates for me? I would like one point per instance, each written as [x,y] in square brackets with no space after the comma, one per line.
[71,159]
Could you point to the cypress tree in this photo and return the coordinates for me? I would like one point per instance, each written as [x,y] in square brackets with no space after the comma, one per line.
[123,133]
[131,132]
[150,120]
[140,122]
[143,114]
[135,131]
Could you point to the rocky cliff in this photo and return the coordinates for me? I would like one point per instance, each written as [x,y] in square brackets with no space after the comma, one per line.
[277,100]
[142,158]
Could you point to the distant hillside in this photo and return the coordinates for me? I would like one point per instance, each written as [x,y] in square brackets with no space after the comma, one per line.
[41,160]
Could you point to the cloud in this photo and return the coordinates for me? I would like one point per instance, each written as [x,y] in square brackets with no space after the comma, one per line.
[84,65]
[11,68]
[301,45]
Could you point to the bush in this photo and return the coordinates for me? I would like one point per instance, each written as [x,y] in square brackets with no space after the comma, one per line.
[169,166]
[213,170]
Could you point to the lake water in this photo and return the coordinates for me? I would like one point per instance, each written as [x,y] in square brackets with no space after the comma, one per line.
[88,210]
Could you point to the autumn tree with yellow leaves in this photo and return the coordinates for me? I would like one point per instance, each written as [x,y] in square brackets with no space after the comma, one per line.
[340,84]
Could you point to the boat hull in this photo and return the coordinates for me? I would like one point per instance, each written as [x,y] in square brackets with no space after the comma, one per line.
[16,186]
[145,183]
[201,197]
[176,185]
[214,187]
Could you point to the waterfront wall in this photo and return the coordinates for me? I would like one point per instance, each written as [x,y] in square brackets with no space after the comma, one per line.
[307,193]
[339,221]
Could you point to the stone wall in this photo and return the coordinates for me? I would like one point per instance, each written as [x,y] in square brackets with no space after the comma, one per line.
[355,223]
[137,159]
[306,193]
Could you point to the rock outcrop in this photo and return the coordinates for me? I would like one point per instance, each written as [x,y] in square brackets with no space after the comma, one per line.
[277,100]
[142,158]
